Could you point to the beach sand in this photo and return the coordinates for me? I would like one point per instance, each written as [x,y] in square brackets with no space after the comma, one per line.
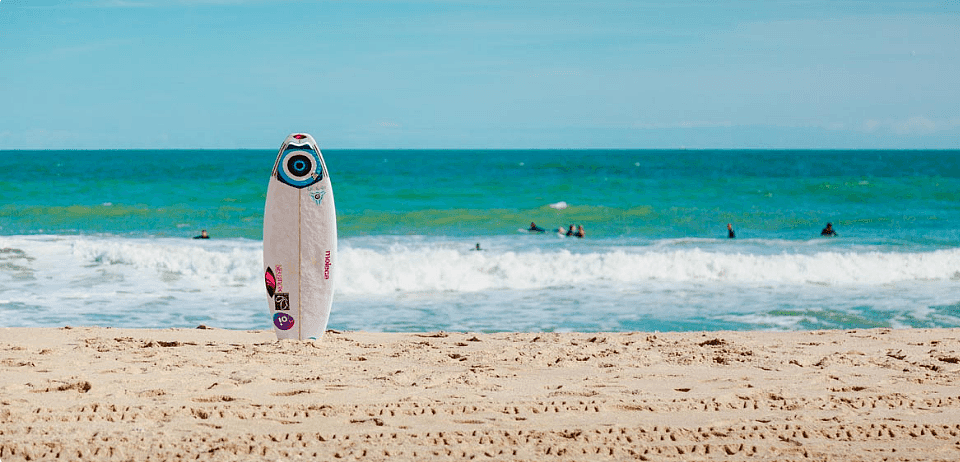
[209,394]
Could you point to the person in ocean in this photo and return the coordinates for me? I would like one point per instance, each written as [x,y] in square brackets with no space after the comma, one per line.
[534,228]
[580,232]
[730,233]
[828,231]
[477,247]
[203,235]
[570,231]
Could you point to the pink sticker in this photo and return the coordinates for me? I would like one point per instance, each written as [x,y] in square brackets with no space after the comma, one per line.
[271,281]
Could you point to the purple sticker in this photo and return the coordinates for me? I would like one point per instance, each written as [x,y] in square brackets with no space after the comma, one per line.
[283,321]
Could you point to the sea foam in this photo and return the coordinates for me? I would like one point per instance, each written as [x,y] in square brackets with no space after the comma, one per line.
[440,269]
[154,282]
[429,266]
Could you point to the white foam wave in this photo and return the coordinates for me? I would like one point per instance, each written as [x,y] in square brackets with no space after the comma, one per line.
[56,280]
[204,263]
[83,263]
[51,280]
[401,269]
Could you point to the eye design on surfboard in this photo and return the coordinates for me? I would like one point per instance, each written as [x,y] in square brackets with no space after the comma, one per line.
[299,166]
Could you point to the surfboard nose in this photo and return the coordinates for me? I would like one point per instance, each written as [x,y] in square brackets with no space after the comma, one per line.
[300,139]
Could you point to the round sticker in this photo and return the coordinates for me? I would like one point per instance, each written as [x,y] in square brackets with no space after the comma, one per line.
[283,321]
[300,167]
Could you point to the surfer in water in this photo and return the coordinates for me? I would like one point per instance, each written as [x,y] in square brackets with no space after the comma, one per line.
[580,233]
[828,231]
[570,231]
[534,228]
[203,235]
[477,247]
[730,233]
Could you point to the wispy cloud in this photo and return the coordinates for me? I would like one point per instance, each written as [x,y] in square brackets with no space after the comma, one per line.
[121,4]
[684,124]
[917,125]
[154,4]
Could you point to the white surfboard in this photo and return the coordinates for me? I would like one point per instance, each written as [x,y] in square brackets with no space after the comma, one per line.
[299,240]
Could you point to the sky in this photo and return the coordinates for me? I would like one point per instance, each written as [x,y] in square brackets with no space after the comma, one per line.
[145,74]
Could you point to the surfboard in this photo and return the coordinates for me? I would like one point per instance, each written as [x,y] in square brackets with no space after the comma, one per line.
[299,240]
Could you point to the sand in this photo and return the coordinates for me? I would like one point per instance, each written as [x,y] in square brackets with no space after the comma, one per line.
[208,394]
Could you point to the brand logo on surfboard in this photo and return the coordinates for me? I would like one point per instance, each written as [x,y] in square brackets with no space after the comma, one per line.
[317,195]
[326,266]
[283,321]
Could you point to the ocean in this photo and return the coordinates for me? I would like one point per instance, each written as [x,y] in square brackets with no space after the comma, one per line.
[105,238]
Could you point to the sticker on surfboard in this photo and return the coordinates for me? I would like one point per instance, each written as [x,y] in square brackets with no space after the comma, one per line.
[300,165]
[283,321]
[271,281]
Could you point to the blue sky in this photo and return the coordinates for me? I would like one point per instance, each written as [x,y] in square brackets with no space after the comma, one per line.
[93,74]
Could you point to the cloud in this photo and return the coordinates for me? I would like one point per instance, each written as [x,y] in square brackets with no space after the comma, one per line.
[121,4]
[683,124]
[917,125]
[40,138]
[153,4]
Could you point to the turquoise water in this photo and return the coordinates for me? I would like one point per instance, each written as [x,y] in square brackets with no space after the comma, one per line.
[102,237]
[909,196]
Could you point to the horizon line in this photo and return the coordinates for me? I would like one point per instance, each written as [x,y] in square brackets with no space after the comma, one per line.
[492,149]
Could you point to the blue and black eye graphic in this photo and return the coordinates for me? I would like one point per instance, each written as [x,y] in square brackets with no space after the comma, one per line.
[300,166]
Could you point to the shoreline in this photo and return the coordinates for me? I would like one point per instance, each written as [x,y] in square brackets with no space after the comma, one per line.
[93,393]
